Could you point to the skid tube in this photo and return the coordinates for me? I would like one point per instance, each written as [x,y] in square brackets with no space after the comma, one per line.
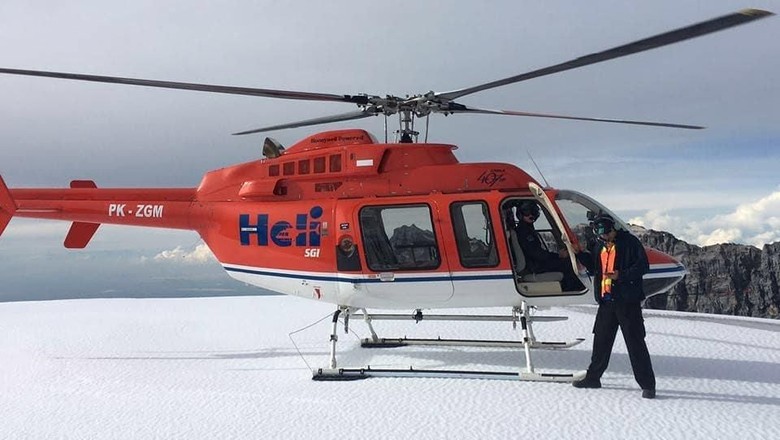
[346,374]
[334,373]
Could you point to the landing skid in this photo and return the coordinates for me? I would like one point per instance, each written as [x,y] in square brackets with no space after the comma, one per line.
[519,314]
[346,374]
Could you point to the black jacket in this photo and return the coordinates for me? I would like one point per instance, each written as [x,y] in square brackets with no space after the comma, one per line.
[630,262]
[536,254]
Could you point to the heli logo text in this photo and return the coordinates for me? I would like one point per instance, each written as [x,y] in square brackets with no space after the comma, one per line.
[305,232]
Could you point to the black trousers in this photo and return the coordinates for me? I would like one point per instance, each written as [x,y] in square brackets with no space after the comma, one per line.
[628,317]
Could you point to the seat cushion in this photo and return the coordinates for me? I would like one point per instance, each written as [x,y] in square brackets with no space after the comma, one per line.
[545,276]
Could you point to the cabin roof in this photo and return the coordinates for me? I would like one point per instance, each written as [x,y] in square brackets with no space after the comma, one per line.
[351,163]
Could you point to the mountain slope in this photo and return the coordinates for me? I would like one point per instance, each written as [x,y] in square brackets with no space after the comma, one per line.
[730,279]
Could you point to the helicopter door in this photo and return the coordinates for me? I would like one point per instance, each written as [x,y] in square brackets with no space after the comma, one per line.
[477,252]
[403,253]
[542,198]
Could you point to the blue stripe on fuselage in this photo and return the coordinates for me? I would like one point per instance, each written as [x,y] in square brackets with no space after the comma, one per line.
[421,279]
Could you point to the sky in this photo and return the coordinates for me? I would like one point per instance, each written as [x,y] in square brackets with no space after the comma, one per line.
[237,368]
[704,186]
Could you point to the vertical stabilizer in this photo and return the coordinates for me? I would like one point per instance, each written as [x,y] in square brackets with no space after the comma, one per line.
[7,206]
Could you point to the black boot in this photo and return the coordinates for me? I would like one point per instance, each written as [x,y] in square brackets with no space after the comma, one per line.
[587,383]
[648,394]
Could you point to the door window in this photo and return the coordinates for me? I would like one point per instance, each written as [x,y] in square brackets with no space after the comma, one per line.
[474,234]
[399,238]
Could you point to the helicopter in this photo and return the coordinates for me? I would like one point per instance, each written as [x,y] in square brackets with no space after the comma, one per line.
[342,218]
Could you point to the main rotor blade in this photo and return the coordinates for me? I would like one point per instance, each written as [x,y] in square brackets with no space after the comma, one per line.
[575,118]
[675,36]
[267,93]
[323,120]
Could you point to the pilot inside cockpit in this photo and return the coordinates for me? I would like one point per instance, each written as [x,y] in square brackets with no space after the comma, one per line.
[537,258]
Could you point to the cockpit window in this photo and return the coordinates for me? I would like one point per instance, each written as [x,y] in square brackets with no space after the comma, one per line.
[579,210]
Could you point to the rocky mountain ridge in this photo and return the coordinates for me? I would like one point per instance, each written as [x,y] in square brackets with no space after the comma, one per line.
[726,279]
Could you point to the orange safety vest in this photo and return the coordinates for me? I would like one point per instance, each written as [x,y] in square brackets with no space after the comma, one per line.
[607,266]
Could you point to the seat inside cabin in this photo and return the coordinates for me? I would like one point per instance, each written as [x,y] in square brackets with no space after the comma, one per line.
[524,275]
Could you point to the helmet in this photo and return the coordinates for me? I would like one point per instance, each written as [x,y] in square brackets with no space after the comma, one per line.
[529,208]
[603,224]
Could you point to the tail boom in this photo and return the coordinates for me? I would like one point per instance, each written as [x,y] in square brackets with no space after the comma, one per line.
[156,207]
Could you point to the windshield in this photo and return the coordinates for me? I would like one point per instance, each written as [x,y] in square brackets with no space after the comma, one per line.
[579,210]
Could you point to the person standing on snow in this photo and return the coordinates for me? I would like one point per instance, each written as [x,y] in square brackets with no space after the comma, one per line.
[620,262]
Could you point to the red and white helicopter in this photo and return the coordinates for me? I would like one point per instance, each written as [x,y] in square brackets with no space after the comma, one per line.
[343,219]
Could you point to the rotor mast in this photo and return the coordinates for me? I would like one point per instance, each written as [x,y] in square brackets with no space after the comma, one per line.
[406,132]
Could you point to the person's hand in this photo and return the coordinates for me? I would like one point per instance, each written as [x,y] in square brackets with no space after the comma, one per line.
[612,275]
[563,253]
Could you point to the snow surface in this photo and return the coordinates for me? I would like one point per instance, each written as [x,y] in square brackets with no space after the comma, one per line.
[226,368]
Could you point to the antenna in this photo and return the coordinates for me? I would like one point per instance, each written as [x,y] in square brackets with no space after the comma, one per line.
[385,128]
[537,169]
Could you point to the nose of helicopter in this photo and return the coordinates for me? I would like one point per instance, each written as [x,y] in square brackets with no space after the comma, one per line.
[665,272]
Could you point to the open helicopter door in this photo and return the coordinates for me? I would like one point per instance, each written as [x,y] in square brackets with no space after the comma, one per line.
[584,278]
[542,198]
[533,278]
[404,255]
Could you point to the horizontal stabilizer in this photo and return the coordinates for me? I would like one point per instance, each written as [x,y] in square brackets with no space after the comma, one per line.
[80,234]
[7,206]
[4,219]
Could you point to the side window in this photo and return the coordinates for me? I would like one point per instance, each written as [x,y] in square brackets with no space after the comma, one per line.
[303,166]
[335,163]
[399,238]
[474,234]
[319,165]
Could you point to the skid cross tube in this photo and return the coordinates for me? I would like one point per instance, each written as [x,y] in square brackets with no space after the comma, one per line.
[334,337]
[403,342]
[526,339]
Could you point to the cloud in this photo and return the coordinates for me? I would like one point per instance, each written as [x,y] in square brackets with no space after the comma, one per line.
[756,223]
[655,219]
[24,229]
[199,255]
[720,235]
